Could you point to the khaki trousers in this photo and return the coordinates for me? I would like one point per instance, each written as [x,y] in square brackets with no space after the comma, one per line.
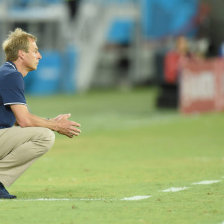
[19,148]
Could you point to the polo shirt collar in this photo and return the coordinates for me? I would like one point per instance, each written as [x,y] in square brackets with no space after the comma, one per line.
[12,64]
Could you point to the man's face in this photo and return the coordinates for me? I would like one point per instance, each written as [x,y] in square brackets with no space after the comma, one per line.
[31,59]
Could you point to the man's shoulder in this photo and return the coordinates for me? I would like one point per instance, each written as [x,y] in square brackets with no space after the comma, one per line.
[9,72]
[9,77]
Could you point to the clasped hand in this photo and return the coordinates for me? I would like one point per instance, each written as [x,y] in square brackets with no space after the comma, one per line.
[67,127]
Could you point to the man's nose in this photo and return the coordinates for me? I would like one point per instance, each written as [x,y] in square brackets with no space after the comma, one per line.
[39,56]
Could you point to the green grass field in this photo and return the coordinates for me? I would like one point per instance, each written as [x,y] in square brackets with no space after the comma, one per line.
[127,148]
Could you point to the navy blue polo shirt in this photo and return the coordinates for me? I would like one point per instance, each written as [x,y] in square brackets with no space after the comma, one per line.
[11,92]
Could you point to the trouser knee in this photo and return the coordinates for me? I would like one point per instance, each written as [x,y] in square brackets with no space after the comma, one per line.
[45,139]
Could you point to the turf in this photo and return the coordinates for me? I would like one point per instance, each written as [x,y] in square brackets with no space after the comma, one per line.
[127,148]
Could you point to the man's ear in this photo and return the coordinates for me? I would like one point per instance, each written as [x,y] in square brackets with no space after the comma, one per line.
[21,54]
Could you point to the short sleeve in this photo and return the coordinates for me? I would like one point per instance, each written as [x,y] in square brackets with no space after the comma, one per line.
[12,90]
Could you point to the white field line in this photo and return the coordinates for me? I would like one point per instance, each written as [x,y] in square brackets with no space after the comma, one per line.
[205,182]
[133,198]
[63,199]
[175,189]
[136,198]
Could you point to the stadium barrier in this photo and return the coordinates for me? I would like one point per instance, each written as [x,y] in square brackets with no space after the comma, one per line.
[68,74]
[202,86]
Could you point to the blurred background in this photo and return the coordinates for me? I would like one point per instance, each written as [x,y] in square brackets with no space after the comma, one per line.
[89,44]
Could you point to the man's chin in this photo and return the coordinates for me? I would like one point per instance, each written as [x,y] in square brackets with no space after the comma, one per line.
[33,68]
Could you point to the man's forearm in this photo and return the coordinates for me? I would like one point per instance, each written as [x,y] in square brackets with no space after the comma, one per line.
[35,121]
[61,124]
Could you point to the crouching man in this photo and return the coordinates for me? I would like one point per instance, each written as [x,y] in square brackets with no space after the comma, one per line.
[24,137]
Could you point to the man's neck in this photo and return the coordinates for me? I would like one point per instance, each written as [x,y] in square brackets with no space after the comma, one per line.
[20,68]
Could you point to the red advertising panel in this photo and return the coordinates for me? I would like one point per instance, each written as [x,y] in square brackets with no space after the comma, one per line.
[202,86]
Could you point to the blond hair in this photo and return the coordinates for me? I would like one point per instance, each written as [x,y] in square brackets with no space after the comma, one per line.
[17,40]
